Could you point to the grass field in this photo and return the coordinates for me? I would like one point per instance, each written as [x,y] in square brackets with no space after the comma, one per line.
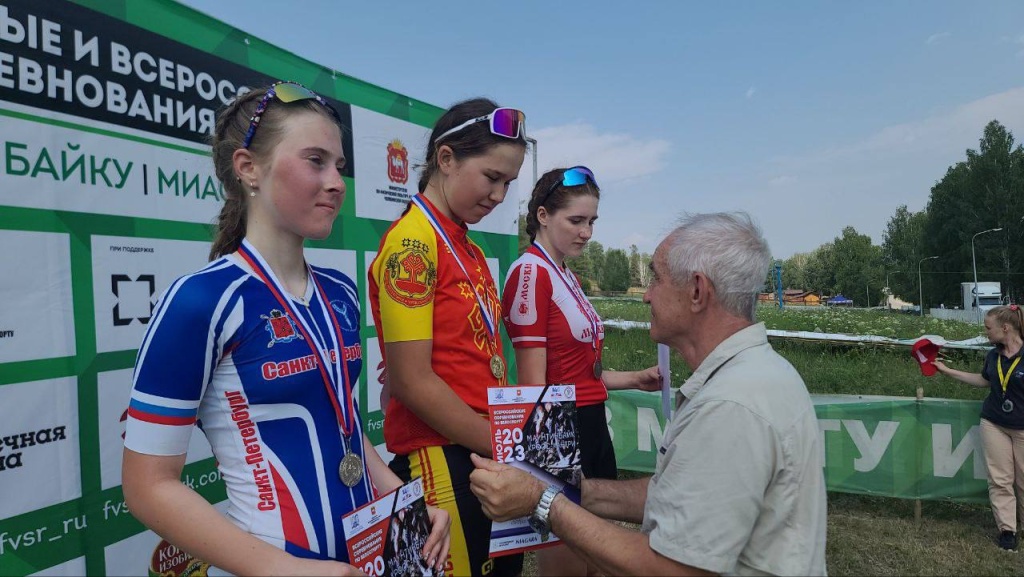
[866,535]
[827,368]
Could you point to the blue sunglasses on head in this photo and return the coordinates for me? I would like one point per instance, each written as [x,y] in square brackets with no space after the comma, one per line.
[575,176]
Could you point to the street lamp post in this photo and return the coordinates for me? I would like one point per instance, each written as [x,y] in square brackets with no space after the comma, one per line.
[887,273]
[974,265]
[920,287]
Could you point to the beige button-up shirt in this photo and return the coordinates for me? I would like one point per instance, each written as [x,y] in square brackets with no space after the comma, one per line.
[739,486]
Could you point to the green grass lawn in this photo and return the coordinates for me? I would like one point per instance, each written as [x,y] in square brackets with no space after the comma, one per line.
[866,535]
[827,368]
[820,319]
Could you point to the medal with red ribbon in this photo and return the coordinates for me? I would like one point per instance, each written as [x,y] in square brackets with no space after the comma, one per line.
[569,280]
[336,379]
[497,363]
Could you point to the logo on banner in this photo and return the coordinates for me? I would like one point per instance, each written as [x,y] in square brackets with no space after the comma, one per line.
[121,285]
[169,561]
[281,328]
[409,275]
[398,162]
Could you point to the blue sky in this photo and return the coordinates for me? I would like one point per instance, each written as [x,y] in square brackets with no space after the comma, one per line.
[810,115]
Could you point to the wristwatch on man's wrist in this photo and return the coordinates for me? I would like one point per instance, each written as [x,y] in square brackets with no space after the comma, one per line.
[539,520]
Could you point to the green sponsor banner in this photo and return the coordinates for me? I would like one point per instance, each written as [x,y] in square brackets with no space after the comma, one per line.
[885,446]
[107,194]
[62,533]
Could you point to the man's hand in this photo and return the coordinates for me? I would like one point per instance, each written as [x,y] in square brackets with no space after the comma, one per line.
[505,492]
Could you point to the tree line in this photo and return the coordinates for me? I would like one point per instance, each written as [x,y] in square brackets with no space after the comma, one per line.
[982,192]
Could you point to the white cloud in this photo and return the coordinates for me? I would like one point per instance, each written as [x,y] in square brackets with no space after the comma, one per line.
[750,92]
[628,168]
[800,201]
[861,183]
[948,132]
[937,37]
[612,157]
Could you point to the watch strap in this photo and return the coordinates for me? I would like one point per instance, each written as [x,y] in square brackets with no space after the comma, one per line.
[541,514]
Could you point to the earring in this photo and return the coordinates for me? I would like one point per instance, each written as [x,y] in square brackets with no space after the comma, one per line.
[252,185]
[252,193]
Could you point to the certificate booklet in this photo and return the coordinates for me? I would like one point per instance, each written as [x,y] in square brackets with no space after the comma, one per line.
[534,428]
[386,536]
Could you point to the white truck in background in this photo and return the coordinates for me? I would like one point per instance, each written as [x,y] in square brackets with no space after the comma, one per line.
[989,296]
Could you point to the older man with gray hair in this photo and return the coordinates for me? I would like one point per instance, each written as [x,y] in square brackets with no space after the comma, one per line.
[738,487]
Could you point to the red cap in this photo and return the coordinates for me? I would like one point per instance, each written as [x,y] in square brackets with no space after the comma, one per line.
[924,352]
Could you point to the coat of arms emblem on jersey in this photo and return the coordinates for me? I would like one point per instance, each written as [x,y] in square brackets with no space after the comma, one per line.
[281,328]
[410,275]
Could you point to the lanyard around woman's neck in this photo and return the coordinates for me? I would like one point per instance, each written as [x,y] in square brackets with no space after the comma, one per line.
[577,294]
[346,420]
[435,222]
[1004,381]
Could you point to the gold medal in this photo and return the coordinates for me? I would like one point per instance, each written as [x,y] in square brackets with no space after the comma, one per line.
[497,366]
[597,369]
[351,470]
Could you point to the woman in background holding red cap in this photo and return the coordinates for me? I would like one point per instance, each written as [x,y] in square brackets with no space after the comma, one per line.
[1002,417]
